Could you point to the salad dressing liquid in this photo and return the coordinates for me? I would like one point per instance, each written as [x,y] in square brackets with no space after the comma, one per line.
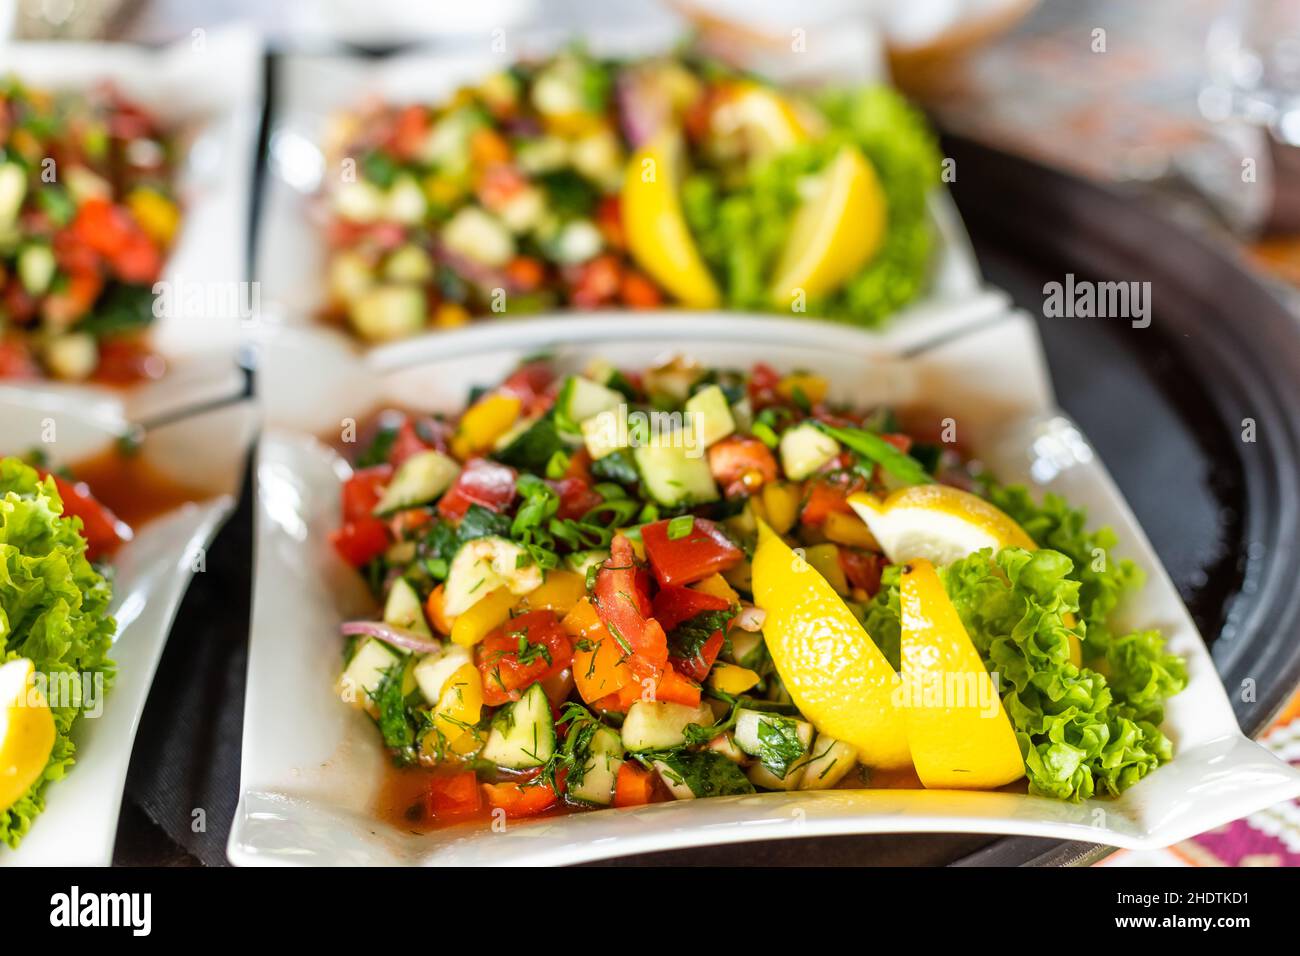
[132,488]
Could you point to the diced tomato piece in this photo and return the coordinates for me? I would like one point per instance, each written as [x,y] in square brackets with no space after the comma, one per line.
[762,385]
[359,542]
[623,606]
[529,381]
[406,443]
[633,786]
[862,569]
[410,132]
[100,527]
[741,465]
[675,604]
[697,668]
[576,497]
[137,259]
[102,226]
[693,557]
[525,799]
[902,442]
[639,292]
[597,282]
[16,361]
[525,273]
[579,466]
[507,670]
[609,220]
[676,689]
[498,184]
[362,491]
[455,796]
[123,361]
[481,482]
[829,494]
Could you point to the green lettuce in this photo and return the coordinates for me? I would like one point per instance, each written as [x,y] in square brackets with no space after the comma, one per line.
[53,611]
[1082,730]
[741,225]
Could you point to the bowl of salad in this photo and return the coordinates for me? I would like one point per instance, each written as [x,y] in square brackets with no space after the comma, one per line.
[99,534]
[621,599]
[124,185]
[464,191]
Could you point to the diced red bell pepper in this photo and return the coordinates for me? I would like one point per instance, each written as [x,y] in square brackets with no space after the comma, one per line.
[677,689]
[102,226]
[410,131]
[481,482]
[16,361]
[829,494]
[697,668]
[406,443]
[741,465]
[862,569]
[103,532]
[363,490]
[137,259]
[525,799]
[359,542]
[675,604]
[762,385]
[507,672]
[634,785]
[529,382]
[692,557]
[455,796]
[623,606]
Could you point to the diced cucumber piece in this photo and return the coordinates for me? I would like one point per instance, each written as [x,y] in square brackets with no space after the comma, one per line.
[675,475]
[530,445]
[581,398]
[674,781]
[403,609]
[804,449]
[359,201]
[780,743]
[658,724]
[523,734]
[830,760]
[71,356]
[603,435]
[13,189]
[704,773]
[420,479]
[581,561]
[405,202]
[748,649]
[433,670]
[600,769]
[365,671]
[383,313]
[36,268]
[709,415]
[743,415]
[484,564]
[725,744]
[479,235]
[760,776]
[408,263]
[350,275]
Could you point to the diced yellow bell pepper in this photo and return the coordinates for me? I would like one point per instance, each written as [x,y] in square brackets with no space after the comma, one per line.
[849,530]
[825,560]
[813,387]
[157,215]
[560,592]
[460,703]
[450,315]
[716,585]
[484,617]
[486,420]
[781,502]
[581,620]
[732,678]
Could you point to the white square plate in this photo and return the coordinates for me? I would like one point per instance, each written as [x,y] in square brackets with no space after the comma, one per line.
[150,574]
[312,767]
[311,89]
[209,87]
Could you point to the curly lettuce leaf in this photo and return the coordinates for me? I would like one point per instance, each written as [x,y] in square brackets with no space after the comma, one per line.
[53,610]
[741,226]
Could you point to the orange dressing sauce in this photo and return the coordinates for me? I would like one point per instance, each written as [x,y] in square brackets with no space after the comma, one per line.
[131,487]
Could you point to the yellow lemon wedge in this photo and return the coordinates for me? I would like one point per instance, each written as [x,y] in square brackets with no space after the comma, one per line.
[833,670]
[835,232]
[657,235]
[26,732]
[938,523]
[959,735]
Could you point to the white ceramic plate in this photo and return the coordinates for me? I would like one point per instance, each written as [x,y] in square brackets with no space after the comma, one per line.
[310,89]
[209,86]
[151,572]
[311,767]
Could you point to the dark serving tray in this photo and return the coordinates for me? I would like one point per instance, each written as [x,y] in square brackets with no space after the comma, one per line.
[1165,406]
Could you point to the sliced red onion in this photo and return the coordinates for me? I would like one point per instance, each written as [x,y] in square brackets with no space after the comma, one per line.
[751,618]
[641,107]
[396,636]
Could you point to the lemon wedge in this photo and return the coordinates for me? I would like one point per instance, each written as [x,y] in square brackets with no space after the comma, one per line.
[938,523]
[959,735]
[835,232]
[833,670]
[656,230]
[26,732]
